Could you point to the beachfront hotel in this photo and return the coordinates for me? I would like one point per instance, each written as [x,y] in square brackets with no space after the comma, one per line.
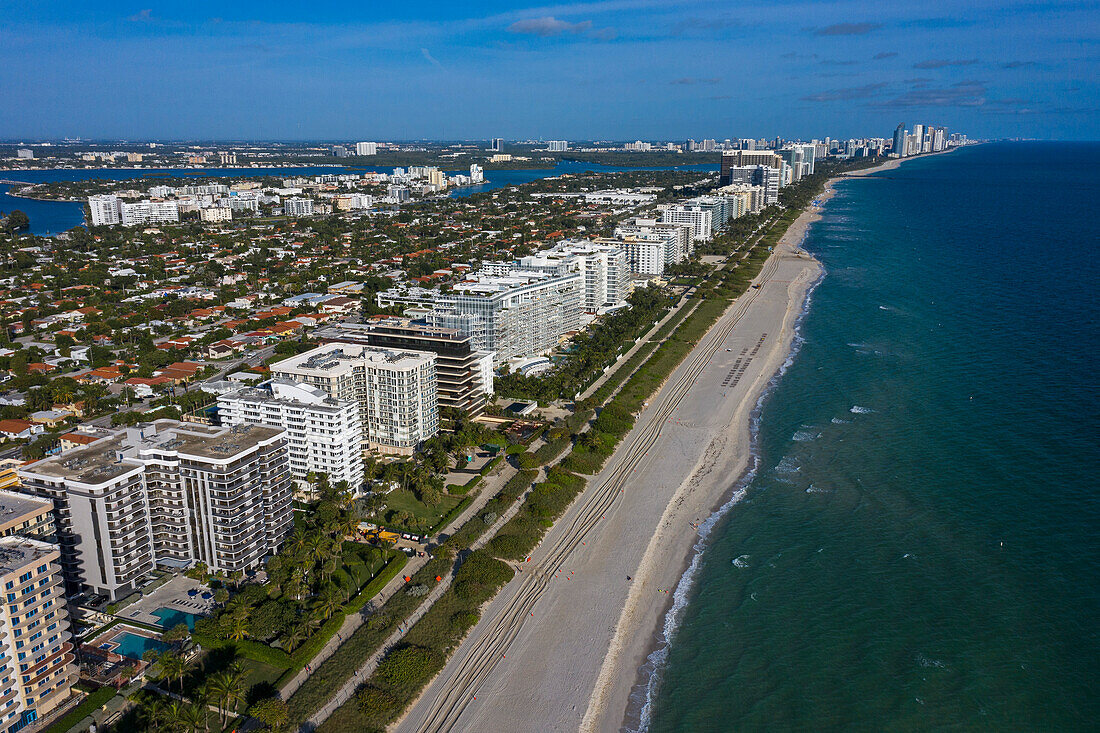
[37,663]
[166,494]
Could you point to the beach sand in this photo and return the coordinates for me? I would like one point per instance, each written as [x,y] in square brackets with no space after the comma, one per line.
[562,646]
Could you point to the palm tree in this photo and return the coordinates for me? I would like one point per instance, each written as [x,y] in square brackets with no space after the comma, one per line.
[174,667]
[330,602]
[193,717]
[298,634]
[239,630]
[174,713]
[298,540]
[219,686]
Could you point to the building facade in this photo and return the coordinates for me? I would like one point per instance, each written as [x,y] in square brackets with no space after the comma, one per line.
[324,435]
[166,493]
[397,391]
[37,660]
[464,375]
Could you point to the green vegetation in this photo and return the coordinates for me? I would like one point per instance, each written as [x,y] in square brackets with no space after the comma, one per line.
[94,701]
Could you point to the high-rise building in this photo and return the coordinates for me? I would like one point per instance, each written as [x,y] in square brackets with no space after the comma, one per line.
[763,176]
[558,146]
[149,212]
[497,144]
[515,315]
[677,242]
[397,391]
[477,174]
[165,494]
[700,219]
[298,207]
[324,435]
[340,151]
[24,154]
[604,267]
[106,210]
[366,148]
[900,140]
[464,375]
[37,661]
[227,158]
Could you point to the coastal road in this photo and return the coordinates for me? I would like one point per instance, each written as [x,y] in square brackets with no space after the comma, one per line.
[533,660]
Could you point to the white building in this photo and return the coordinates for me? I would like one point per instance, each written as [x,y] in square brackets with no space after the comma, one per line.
[522,313]
[638,235]
[645,256]
[324,435]
[298,207]
[106,210]
[603,265]
[166,494]
[557,146]
[396,391]
[24,154]
[149,212]
[477,174]
[701,220]
[366,148]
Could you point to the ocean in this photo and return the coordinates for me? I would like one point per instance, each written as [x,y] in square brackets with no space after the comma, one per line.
[917,548]
[54,217]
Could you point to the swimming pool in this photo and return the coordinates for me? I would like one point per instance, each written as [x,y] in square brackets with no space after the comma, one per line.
[132,645]
[170,617]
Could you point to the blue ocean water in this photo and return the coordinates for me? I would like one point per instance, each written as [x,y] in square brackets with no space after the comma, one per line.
[918,548]
[53,217]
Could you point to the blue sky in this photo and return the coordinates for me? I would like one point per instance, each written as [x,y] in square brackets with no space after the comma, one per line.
[606,69]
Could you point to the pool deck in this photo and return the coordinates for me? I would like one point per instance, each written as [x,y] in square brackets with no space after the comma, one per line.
[173,595]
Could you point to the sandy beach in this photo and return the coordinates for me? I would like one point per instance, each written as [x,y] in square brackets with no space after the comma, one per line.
[563,645]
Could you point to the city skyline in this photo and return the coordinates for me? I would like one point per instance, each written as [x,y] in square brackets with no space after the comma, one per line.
[617,69]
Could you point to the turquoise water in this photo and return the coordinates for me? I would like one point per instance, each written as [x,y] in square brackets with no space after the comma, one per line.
[134,645]
[170,617]
[917,549]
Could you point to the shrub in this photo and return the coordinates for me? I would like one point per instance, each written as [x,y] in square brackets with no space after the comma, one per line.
[407,665]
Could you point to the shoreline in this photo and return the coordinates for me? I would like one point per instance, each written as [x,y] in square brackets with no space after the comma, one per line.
[608,710]
[560,647]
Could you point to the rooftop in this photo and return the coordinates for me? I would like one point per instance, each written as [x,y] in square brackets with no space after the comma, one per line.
[124,451]
[17,552]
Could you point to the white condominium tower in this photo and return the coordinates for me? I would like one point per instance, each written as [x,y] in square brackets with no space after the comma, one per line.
[604,267]
[37,663]
[324,435]
[652,245]
[396,391]
[519,314]
[106,210]
[366,148]
[166,493]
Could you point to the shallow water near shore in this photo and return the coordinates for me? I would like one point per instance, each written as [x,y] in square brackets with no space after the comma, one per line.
[917,547]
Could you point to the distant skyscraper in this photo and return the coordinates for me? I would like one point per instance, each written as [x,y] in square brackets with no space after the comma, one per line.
[558,146]
[366,148]
[340,151]
[498,144]
[899,140]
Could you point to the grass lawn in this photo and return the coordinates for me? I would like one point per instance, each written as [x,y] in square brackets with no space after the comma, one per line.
[406,501]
